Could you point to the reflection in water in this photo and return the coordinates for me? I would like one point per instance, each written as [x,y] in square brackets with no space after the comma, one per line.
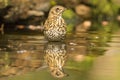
[4,44]
[19,63]
[17,56]
[23,54]
[55,58]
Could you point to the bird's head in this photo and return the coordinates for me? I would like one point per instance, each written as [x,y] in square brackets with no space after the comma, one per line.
[56,11]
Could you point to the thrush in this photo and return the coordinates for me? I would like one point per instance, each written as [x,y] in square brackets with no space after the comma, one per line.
[55,57]
[55,26]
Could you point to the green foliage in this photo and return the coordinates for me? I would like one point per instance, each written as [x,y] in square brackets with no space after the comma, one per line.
[70,28]
[105,7]
[53,2]
[70,18]
[69,14]
[94,2]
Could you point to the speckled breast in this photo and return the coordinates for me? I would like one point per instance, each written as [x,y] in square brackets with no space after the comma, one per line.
[55,34]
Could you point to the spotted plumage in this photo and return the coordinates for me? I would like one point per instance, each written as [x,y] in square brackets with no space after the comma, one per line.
[55,57]
[55,26]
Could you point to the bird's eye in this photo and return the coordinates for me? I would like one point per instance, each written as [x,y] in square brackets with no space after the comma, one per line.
[57,9]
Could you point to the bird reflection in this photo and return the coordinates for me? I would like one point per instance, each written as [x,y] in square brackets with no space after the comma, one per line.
[55,57]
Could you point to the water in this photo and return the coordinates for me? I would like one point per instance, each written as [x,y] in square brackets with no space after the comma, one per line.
[82,56]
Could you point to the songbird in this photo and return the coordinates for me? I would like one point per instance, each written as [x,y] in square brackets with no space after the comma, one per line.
[55,58]
[55,26]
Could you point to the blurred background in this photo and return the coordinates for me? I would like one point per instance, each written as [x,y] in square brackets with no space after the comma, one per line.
[31,14]
[91,50]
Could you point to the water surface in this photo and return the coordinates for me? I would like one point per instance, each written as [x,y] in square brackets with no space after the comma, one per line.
[82,56]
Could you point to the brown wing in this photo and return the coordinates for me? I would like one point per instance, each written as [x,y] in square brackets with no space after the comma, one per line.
[49,23]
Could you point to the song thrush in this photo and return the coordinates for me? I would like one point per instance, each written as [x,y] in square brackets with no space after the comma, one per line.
[55,57]
[55,26]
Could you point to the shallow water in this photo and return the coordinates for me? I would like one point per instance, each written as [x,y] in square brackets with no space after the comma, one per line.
[82,56]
